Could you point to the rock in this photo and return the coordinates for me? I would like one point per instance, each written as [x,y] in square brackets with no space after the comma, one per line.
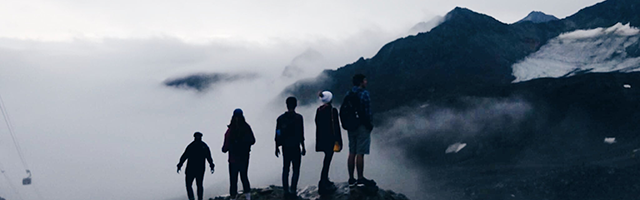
[343,192]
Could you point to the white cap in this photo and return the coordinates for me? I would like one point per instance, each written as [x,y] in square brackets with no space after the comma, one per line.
[326,96]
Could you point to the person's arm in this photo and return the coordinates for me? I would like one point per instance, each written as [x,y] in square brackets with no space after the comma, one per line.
[227,143]
[316,118]
[183,158]
[208,157]
[252,138]
[278,126]
[336,126]
[365,101]
[301,130]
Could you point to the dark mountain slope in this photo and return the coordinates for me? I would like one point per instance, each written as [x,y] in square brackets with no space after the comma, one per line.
[605,14]
[553,149]
[468,54]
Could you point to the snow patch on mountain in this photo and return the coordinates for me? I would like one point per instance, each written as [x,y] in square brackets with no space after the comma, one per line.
[595,50]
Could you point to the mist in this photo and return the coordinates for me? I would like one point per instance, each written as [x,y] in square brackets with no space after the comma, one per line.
[95,119]
[424,134]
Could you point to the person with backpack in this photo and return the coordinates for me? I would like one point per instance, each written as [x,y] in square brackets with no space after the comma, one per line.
[197,152]
[328,138]
[290,135]
[237,142]
[355,115]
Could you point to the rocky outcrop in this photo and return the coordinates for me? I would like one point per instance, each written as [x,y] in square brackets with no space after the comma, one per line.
[343,192]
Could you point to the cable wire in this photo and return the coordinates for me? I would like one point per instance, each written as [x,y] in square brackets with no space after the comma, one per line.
[7,120]
[5,114]
[13,188]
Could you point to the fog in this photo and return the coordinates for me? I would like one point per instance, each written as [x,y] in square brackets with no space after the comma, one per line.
[434,140]
[95,120]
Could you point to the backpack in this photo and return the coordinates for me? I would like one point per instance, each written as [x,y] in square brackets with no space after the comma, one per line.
[349,110]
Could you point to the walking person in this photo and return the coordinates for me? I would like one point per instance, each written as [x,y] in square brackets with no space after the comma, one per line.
[328,138]
[290,135]
[237,142]
[355,115]
[196,154]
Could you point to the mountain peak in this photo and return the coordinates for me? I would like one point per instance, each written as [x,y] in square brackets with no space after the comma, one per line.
[465,15]
[538,17]
[458,12]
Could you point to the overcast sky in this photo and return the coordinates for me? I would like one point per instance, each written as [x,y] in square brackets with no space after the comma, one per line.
[262,21]
[82,81]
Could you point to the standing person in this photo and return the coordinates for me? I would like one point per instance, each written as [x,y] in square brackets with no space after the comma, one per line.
[290,135]
[237,141]
[328,138]
[196,153]
[355,113]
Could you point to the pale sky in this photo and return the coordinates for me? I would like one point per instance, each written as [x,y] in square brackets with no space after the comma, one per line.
[261,21]
[83,83]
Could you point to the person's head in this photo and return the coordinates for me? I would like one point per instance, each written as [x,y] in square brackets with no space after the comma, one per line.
[326,97]
[292,103]
[359,80]
[238,117]
[197,136]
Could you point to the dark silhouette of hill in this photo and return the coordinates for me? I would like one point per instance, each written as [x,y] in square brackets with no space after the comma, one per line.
[202,81]
[468,53]
[605,14]
[539,139]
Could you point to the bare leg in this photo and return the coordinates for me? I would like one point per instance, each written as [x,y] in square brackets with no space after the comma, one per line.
[351,164]
[360,165]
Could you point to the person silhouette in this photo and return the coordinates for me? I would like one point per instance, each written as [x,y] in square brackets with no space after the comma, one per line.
[196,153]
[290,135]
[237,143]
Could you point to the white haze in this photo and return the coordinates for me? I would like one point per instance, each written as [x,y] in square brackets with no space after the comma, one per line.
[95,121]
[596,50]
[410,128]
[262,21]
[486,115]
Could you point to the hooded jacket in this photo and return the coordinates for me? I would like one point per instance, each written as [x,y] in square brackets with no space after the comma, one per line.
[238,148]
[327,128]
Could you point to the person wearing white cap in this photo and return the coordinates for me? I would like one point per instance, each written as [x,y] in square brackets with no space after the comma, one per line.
[328,139]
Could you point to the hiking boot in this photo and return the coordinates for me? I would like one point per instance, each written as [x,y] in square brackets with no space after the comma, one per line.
[285,194]
[366,182]
[352,182]
[331,183]
[326,187]
[292,195]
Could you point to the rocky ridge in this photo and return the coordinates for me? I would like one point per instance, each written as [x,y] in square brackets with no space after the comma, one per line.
[343,192]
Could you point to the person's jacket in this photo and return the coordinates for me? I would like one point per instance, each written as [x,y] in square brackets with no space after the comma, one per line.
[327,128]
[238,148]
[196,153]
[289,130]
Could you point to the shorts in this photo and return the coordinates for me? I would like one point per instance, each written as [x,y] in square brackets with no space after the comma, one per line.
[359,141]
